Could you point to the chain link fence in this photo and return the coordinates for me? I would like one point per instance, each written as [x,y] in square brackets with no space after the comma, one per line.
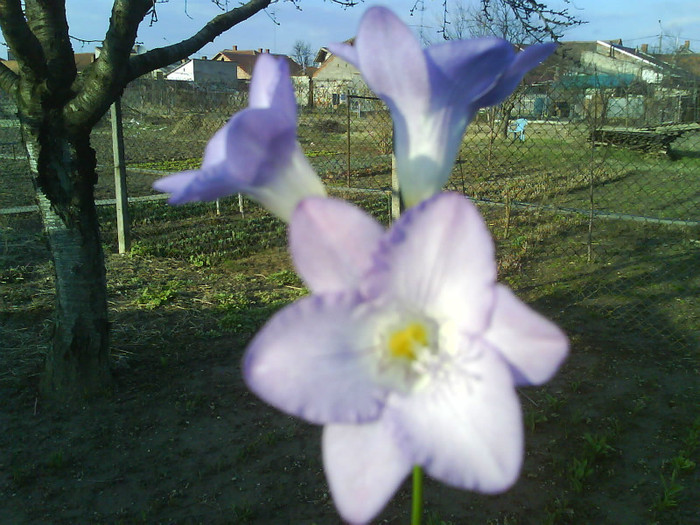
[590,185]
[596,199]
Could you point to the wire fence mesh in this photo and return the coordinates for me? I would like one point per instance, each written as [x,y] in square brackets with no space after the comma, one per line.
[597,197]
[590,186]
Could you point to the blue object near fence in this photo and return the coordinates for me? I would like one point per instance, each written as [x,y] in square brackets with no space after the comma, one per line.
[518,129]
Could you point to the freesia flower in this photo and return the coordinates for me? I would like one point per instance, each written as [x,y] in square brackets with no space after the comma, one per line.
[433,93]
[407,350]
[256,152]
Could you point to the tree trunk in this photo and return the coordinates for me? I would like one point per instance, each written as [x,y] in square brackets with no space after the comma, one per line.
[64,174]
[57,109]
[508,107]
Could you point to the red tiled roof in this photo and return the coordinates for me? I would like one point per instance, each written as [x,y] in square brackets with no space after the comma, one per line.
[245,59]
[82,60]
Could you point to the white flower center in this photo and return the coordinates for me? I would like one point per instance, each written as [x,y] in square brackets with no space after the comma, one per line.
[406,351]
[407,342]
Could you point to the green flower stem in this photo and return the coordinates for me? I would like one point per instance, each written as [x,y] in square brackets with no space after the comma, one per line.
[417,506]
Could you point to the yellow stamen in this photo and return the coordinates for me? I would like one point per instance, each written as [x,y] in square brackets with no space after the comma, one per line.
[406,342]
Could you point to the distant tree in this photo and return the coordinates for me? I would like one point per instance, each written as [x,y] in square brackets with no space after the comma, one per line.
[302,54]
[456,24]
[57,109]
[536,19]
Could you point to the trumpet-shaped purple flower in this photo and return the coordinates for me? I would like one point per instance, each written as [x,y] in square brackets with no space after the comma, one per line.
[433,93]
[256,152]
[408,351]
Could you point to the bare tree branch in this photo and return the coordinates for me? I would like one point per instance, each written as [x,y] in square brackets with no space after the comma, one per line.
[47,22]
[156,58]
[466,21]
[538,20]
[25,46]
[102,81]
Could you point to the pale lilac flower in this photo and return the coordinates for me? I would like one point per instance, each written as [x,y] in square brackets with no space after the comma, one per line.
[433,93]
[408,351]
[256,152]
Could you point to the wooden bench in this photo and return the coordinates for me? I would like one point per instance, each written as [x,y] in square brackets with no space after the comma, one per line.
[657,138]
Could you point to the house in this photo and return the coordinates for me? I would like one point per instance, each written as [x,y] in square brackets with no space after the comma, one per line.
[138,49]
[330,83]
[613,58]
[332,68]
[616,83]
[245,60]
[203,71]
[82,60]
[684,61]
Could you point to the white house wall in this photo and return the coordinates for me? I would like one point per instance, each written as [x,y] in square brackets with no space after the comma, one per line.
[215,71]
[337,69]
[206,71]
[184,72]
[328,92]
[621,63]
[651,76]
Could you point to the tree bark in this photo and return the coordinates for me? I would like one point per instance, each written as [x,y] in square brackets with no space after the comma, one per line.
[507,109]
[57,110]
[63,172]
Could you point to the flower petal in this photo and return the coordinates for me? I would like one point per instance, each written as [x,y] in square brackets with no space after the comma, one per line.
[439,259]
[364,467]
[534,346]
[345,51]
[309,360]
[524,61]
[259,144]
[270,86]
[332,243]
[390,59]
[465,427]
[469,68]
[247,151]
[432,94]
[197,185]
[293,179]
[255,153]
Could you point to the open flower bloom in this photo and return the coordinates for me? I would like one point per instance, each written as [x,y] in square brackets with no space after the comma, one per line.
[433,93]
[407,350]
[256,152]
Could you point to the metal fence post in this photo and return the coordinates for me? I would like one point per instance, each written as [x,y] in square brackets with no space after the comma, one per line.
[310,101]
[396,203]
[120,193]
[591,182]
[347,103]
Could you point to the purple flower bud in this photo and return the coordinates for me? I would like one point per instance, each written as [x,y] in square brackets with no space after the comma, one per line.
[434,93]
[256,153]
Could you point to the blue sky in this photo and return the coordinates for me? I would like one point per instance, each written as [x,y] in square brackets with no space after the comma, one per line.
[320,22]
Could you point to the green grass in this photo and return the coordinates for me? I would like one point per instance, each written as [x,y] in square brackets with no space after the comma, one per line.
[199,235]
[170,165]
[617,420]
[555,167]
